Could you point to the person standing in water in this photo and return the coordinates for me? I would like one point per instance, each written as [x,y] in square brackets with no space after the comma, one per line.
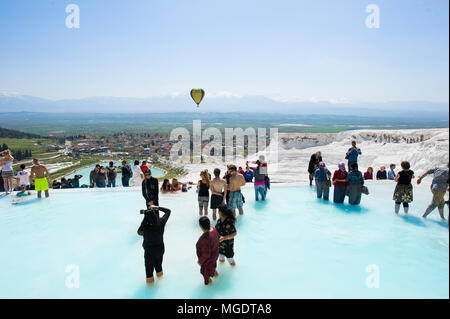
[218,192]
[150,188]
[227,231]
[111,173]
[127,173]
[322,176]
[7,171]
[236,200]
[340,184]
[152,229]
[144,166]
[207,250]
[404,190]
[138,176]
[23,177]
[41,178]
[226,178]
[100,178]
[316,158]
[203,193]
[356,181]
[439,186]
[352,154]
[260,181]
[93,176]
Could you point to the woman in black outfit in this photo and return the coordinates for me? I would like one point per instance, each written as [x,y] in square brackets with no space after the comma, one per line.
[152,228]
[227,179]
[227,231]
[150,188]
[404,190]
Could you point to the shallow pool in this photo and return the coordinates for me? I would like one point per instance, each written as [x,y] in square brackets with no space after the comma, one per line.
[156,172]
[291,246]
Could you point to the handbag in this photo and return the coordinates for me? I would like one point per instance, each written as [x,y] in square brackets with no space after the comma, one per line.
[364,190]
[328,182]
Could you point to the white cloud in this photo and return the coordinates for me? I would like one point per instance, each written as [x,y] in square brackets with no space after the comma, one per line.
[311,99]
[10,93]
[222,94]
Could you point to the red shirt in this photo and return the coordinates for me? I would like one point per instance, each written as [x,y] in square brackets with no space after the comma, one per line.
[144,168]
[338,174]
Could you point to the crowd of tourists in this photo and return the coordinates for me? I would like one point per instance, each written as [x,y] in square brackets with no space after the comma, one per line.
[222,194]
[350,183]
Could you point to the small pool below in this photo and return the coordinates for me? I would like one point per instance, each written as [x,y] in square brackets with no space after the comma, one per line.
[156,172]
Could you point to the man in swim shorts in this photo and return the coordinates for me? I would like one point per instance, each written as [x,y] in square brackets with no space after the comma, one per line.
[236,182]
[218,188]
[41,178]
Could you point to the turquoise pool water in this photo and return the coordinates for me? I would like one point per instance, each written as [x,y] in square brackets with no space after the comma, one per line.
[292,246]
[156,172]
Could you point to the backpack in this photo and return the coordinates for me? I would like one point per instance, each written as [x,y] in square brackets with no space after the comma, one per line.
[111,172]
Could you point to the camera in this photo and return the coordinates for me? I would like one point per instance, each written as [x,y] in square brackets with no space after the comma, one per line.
[142,211]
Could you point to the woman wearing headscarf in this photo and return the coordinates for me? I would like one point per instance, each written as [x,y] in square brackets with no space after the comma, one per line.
[340,184]
[152,229]
[356,181]
[322,176]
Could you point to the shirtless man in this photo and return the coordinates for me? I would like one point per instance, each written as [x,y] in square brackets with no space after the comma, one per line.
[218,188]
[236,199]
[41,178]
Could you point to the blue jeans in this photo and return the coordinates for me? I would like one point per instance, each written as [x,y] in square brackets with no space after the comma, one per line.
[322,190]
[125,181]
[260,189]
[100,184]
[111,183]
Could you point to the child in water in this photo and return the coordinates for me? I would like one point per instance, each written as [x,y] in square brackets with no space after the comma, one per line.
[21,195]
[23,191]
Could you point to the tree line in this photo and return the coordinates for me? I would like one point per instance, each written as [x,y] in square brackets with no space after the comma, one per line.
[18,154]
[16,134]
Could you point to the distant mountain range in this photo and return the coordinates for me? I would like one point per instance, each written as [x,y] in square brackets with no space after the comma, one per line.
[164,104]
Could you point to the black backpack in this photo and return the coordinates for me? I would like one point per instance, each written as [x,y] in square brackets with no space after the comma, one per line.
[111,172]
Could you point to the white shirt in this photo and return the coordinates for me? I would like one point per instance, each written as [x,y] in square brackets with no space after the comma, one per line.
[136,172]
[24,177]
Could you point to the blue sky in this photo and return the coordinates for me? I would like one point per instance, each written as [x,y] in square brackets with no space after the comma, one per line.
[284,49]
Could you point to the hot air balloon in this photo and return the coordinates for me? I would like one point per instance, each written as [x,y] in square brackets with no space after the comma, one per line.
[197,95]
